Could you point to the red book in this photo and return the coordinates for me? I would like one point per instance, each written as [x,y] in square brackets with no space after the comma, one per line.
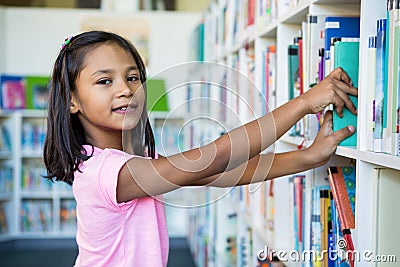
[251,12]
[341,198]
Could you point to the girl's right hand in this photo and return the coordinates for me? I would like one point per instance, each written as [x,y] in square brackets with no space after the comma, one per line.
[334,89]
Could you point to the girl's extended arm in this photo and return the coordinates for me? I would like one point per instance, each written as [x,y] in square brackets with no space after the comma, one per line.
[142,177]
[267,166]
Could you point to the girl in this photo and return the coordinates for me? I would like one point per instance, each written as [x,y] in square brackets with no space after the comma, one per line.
[97,96]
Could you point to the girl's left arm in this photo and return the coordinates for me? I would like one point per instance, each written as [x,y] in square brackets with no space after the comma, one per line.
[268,166]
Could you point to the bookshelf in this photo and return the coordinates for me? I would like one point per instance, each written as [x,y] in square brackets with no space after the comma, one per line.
[31,206]
[227,39]
[34,207]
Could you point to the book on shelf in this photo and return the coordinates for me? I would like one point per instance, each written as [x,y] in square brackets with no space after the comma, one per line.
[346,56]
[6,177]
[12,92]
[371,91]
[32,178]
[385,91]
[338,27]
[379,86]
[342,180]
[33,136]
[36,216]
[269,78]
[387,233]
[36,92]
[297,185]
[3,219]
[67,215]
[5,139]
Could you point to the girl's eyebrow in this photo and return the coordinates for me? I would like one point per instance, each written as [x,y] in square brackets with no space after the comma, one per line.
[107,71]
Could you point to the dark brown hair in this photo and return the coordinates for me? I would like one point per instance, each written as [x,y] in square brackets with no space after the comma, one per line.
[63,147]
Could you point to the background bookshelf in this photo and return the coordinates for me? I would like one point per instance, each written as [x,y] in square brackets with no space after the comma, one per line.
[251,217]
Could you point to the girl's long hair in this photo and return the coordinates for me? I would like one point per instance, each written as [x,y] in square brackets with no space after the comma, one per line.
[63,146]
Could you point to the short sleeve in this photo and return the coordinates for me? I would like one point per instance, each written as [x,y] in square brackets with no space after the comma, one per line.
[112,162]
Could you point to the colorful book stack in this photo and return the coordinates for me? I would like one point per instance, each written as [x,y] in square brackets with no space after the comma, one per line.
[36,216]
[23,92]
[312,56]
[343,184]
[384,94]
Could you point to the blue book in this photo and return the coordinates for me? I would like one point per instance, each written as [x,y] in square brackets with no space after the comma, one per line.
[339,27]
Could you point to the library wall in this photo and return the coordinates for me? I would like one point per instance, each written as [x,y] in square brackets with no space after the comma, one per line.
[2,44]
[32,50]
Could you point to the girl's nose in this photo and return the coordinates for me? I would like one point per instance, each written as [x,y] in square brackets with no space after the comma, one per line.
[125,91]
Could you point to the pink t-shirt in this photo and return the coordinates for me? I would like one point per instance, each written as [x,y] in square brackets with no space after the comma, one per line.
[115,234]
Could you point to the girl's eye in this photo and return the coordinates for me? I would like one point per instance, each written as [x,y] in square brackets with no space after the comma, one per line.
[132,78]
[104,81]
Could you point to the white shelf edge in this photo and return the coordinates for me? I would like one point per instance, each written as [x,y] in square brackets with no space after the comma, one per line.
[29,194]
[48,235]
[384,160]
[6,196]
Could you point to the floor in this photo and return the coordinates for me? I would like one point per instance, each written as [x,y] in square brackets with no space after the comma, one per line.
[62,253]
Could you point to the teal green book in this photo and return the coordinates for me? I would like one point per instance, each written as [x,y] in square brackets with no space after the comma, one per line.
[346,57]
[157,99]
[293,69]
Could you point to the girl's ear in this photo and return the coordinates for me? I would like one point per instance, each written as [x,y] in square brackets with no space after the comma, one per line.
[73,105]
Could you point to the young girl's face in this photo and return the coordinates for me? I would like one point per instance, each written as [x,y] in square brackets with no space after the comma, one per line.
[109,95]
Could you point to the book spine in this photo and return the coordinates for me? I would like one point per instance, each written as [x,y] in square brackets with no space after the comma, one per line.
[341,198]
[380,81]
[371,91]
[396,84]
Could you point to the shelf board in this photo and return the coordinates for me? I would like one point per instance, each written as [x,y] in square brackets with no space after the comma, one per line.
[37,154]
[337,2]
[384,160]
[6,237]
[5,196]
[348,152]
[45,235]
[5,154]
[33,113]
[297,15]
[37,194]
[268,31]
[65,195]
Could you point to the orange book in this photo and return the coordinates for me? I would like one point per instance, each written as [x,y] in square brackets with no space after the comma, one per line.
[341,198]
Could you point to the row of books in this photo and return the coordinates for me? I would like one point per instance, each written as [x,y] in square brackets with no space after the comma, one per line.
[68,215]
[23,92]
[331,218]
[228,23]
[32,178]
[3,219]
[5,139]
[325,43]
[6,178]
[36,216]
[384,83]
[33,136]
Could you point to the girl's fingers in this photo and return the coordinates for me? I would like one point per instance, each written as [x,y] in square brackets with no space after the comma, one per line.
[341,75]
[326,126]
[341,134]
[343,99]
